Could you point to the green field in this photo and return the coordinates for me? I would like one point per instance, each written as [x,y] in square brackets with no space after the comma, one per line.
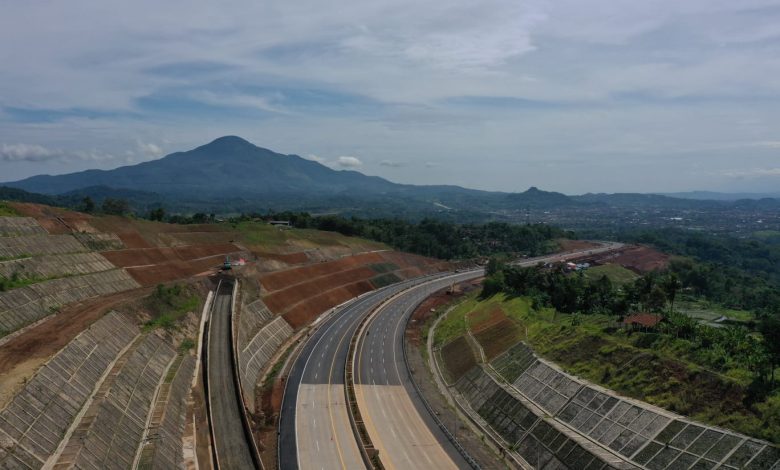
[708,312]
[616,273]
[6,210]
[265,236]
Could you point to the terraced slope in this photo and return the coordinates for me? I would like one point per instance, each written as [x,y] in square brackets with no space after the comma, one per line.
[34,423]
[109,434]
[547,416]
[301,294]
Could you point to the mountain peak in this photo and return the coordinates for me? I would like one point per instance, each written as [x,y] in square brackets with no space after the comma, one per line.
[229,141]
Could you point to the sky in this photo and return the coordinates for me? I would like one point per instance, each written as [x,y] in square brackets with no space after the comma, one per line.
[568,95]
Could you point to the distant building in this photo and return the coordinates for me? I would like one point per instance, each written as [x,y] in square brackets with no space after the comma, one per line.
[280,223]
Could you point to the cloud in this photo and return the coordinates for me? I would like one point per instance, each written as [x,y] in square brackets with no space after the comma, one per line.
[150,149]
[391,163]
[26,152]
[431,164]
[752,173]
[15,153]
[349,162]
[315,158]
[771,144]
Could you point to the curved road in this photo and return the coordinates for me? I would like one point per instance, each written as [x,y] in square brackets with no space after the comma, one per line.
[315,432]
[230,444]
[399,425]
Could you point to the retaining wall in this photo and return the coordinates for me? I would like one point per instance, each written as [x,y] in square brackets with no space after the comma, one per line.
[638,432]
[35,421]
[19,226]
[20,307]
[55,265]
[168,447]
[526,430]
[252,317]
[14,247]
[112,435]
[256,350]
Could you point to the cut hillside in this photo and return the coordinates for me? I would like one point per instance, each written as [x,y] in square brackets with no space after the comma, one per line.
[303,293]
[639,259]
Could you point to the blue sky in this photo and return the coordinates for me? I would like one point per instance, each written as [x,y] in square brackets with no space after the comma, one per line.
[567,95]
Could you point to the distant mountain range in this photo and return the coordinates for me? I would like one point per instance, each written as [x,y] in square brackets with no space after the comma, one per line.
[231,174]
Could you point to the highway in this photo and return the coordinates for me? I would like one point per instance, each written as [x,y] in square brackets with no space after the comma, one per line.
[231,448]
[315,431]
[398,423]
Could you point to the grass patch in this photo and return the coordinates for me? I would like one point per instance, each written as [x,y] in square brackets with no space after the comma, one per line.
[7,211]
[276,369]
[16,281]
[382,268]
[168,304]
[261,234]
[384,280]
[706,311]
[616,273]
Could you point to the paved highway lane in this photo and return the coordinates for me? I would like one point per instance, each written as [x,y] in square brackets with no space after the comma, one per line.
[231,447]
[315,432]
[400,426]
[398,423]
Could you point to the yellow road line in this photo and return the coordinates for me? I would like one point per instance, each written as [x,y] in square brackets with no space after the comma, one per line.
[330,405]
[367,416]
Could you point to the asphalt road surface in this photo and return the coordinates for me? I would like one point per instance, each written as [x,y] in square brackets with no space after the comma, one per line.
[231,447]
[399,425]
[315,432]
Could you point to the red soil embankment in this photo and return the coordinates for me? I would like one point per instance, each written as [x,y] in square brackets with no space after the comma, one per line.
[302,293]
[640,259]
[283,279]
[149,266]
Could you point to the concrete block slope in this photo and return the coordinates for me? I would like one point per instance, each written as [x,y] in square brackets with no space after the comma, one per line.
[26,305]
[19,226]
[110,433]
[166,434]
[49,266]
[636,432]
[39,244]
[35,421]
[254,357]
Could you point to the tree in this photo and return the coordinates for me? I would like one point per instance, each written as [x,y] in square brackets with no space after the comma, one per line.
[671,286]
[87,204]
[115,206]
[493,266]
[770,329]
[656,301]
[157,214]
